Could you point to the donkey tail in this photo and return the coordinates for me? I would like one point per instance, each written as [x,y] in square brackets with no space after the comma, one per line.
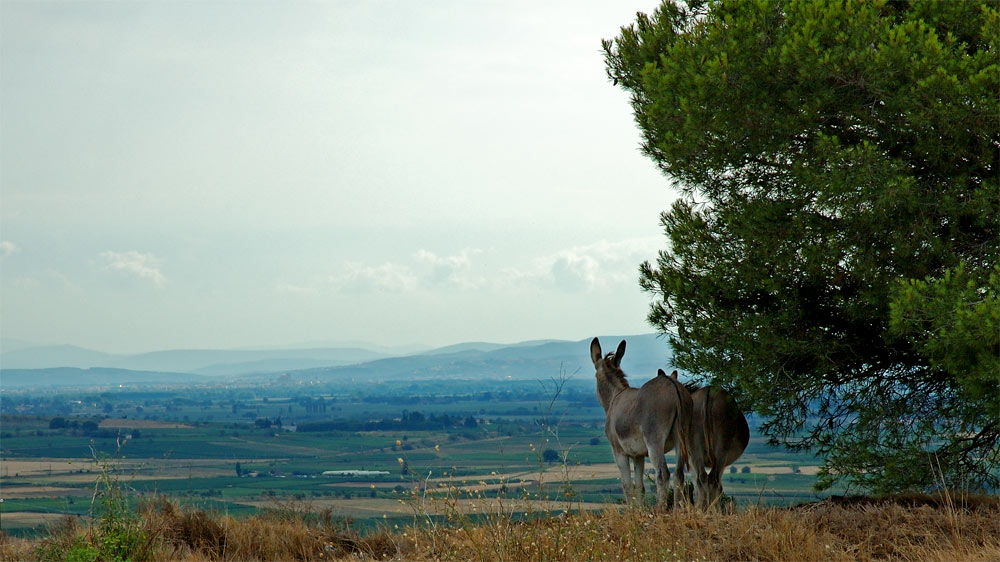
[708,430]
[682,427]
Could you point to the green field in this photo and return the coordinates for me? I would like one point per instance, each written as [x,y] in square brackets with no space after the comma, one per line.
[170,443]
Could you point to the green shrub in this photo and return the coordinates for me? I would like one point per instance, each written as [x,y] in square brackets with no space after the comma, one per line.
[120,535]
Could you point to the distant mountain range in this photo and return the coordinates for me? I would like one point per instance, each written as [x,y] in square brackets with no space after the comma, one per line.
[97,376]
[530,360]
[195,361]
[540,359]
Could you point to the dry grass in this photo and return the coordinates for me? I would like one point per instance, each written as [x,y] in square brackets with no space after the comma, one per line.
[825,531]
[283,534]
[175,534]
[908,529]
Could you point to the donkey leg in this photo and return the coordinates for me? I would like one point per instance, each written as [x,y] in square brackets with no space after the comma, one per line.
[713,487]
[680,495]
[662,483]
[680,433]
[700,488]
[623,467]
[638,477]
[655,450]
[698,472]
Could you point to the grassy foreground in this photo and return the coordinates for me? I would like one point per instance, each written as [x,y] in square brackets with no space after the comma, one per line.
[921,528]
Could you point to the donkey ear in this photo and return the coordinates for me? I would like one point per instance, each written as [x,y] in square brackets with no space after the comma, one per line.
[595,351]
[619,353]
[674,374]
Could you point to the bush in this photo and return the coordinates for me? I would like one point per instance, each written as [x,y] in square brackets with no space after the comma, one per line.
[79,550]
[65,543]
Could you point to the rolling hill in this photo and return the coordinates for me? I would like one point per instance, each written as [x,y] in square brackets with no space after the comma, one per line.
[530,360]
[542,360]
[97,376]
[195,361]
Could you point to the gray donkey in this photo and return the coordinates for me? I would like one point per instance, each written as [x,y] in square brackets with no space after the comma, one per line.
[719,435]
[643,422]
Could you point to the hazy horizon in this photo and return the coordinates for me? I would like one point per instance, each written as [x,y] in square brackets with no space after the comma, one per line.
[228,176]
[13,344]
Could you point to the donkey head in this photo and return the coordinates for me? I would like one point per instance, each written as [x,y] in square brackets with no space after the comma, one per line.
[608,367]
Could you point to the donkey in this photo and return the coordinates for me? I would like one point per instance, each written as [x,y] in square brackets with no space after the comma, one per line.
[719,435]
[643,422]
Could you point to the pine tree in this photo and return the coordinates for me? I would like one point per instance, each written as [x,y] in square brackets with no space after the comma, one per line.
[834,256]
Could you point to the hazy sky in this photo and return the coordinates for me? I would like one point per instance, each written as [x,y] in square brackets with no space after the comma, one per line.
[230,174]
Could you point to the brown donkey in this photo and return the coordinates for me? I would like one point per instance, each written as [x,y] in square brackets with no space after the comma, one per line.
[643,422]
[719,435]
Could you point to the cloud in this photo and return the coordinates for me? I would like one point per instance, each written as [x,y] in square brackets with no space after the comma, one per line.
[8,248]
[603,264]
[599,265]
[427,271]
[138,264]
[356,277]
[574,272]
[450,271]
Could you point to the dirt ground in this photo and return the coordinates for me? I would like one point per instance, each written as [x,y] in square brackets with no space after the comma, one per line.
[69,470]
[22,492]
[43,467]
[26,519]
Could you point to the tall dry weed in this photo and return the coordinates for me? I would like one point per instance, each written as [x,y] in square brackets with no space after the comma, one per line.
[278,534]
[14,549]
